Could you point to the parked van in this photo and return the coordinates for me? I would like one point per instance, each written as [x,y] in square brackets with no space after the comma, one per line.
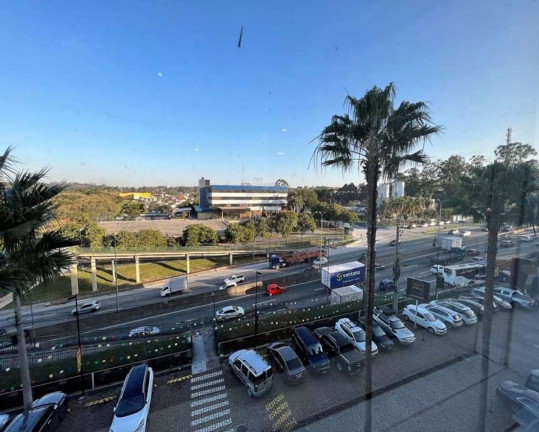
[255,373]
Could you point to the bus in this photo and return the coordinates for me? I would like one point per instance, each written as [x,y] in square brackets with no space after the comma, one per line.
[463,274]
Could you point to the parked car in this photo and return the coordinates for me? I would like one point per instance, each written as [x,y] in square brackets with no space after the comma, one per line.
[481,300]
[503,276]
[437,269]
[355,334]
[379,336]
[393,243]
[386,285]
[274,289]
[501,303]
[422,317]
[516,396]
[309,349]
[473,252]
[229,312]
[320,262]
[447,316]
[4,420]
[252,370]
[131,410]
[57,399]
[532,382]
[516,297]
[338,348]
[144,331]
[379,267]
[91,306]
[507,243]
[44,418]
[473,304]
[392,325]
[288,361]
[465,312]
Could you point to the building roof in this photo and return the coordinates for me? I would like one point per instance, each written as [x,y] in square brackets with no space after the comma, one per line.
[242,188]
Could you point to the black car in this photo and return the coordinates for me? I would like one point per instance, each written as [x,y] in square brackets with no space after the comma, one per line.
[378,335]
[44,416]
[386,285]
[288,361]
[517,397]
[379,267]
[507,243]
[393,243]
[347,357]
[308,347]
[502,277]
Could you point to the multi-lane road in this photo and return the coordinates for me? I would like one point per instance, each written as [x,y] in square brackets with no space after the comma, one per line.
[415,251]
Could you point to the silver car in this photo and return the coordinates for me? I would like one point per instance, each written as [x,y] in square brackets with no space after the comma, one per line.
[447,316]
[229,312]
[288,361]
[466,313]
[87,307]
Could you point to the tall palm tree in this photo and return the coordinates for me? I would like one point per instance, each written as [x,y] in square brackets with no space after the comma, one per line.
[493,192]
[29,253]
[379,138]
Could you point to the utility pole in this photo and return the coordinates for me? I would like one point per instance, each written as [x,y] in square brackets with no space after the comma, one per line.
[396,272]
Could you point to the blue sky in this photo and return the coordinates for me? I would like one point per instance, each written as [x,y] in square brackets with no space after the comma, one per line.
[158,93]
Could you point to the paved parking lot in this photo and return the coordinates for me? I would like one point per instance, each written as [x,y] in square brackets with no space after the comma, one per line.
[434,380]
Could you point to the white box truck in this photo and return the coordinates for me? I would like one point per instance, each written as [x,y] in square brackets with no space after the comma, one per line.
[176,285]
[337,276]
[346,294]
[450,243]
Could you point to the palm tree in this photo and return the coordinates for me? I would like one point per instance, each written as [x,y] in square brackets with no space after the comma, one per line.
[29,253]
[380,139]
[494,192]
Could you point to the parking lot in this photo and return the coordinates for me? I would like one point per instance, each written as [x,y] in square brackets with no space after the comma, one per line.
[415,385]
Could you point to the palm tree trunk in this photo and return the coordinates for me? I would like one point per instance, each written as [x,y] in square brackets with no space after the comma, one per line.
[23,357]
[492,243]
[372,179]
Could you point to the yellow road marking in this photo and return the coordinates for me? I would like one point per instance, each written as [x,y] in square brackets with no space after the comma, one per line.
[175,380]
[100,401]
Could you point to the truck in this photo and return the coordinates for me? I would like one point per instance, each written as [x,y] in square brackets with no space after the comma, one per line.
[287,259]
[346,294]
[177,285]
[452,251]
[340,275]
[452,243]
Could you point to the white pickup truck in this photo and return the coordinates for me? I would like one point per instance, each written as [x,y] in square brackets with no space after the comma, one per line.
[234,280]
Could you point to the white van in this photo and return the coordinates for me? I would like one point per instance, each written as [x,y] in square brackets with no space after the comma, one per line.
[424,318]
[255,373]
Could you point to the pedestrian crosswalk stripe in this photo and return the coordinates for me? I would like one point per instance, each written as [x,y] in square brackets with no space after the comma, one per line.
[207,391]
[207,376]
[207,384]
[215,426]
[207,400]
[209,408]
[210,417]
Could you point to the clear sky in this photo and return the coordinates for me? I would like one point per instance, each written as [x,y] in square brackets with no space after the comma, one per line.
[158,93]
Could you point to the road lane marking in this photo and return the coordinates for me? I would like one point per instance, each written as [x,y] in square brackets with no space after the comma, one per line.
[175,380]
[100,401]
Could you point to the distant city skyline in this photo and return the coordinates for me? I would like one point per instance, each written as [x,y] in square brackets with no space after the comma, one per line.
[159,93]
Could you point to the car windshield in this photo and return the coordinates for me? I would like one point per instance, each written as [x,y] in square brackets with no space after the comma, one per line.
[294,363]
[429,316]
[377,331]
[315,349]
[359,335]
[130,405]
[346,347]
[397,324]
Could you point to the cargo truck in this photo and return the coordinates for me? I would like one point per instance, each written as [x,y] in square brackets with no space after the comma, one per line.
[287,259]
[346,294]
[177,285]
[340,275]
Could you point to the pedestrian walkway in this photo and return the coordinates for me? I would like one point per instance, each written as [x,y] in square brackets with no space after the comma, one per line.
[204,356]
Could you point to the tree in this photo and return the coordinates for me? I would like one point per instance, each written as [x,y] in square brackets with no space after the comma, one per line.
[262,227]
[132,210]
[492,192]
[379,139]
[234,233]
[149,238]
[514,153]
[30,252]
[305,223]
[285,222]
[197,234]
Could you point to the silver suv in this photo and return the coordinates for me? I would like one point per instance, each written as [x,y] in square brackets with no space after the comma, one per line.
[467,314]
[447,316]
[255,373]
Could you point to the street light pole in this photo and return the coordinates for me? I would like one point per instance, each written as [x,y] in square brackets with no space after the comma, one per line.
[438,242]
[213,298]
[256,305]
[79,348]
[321,221]
[116,275]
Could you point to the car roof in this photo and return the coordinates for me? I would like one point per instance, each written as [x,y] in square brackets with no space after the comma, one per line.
[257,363]
[51,398]
[134,381]
[306,335]
[339,338]
[287,353]
[226,308]
[26,422]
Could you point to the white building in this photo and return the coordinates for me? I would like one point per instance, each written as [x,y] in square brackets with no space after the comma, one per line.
[383,192]
[397,189]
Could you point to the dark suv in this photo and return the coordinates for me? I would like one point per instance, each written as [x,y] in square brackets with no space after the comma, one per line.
[308,348]
[44,416]
[507,243]
[347,357]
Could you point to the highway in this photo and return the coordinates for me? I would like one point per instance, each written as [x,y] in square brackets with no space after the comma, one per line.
[415,251]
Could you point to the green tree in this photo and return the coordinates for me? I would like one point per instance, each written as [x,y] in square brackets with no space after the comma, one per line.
[262,227]
[197,234]
[305,223]
[514,153]
[285,222]
[149,238]
[378,138]
[208,235]
[235,233]
[492,192]
[93,235]
[132,210]
[30,253]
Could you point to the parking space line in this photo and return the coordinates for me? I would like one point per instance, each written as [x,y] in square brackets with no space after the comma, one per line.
[207,384]
[210,417]
[209,408]
[207,400]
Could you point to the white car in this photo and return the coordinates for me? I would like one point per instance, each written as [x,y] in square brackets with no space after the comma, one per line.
[229,312]
[355,334]
[466,313]
[87,307]
[234,280]
[131,411]
[424,318]
[447,316]
[320,262]
[437,269]
[466,233]
[144,331]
